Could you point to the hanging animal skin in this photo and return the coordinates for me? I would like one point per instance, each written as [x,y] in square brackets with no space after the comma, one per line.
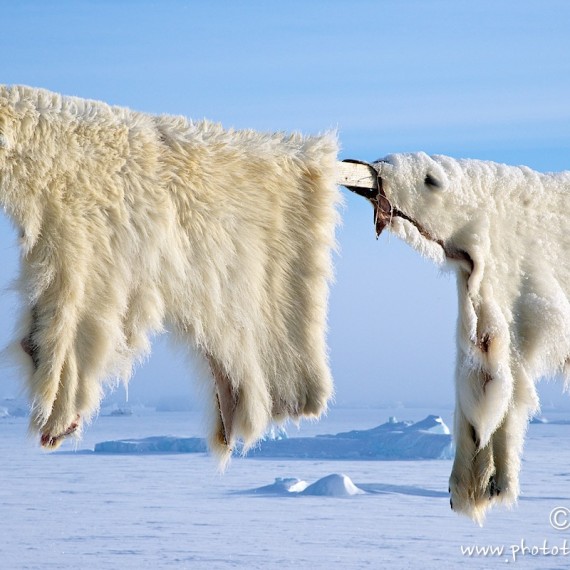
[504,230]
[132,224]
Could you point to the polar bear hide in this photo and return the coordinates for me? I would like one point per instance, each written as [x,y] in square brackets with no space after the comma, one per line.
[132,224]
[505,232]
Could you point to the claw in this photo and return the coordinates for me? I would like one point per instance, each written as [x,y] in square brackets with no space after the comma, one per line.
[30,349]
[48,440]
[494,489]
[226,399]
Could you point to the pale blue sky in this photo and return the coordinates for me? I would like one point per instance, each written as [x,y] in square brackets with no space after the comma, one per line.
[484,80]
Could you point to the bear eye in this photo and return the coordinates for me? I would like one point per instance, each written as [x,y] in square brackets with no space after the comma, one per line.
[432,182]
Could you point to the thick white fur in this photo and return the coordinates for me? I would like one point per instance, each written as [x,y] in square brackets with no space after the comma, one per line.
[514,310]
[132,223]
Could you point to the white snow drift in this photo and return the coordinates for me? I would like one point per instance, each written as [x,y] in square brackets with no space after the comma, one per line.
[334,485]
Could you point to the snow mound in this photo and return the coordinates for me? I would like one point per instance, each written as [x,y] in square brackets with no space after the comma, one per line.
[335,485]
[282,486]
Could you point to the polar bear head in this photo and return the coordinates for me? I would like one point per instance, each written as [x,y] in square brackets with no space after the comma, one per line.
[433,205]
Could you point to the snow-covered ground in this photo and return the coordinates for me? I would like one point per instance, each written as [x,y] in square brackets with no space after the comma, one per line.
[86,510]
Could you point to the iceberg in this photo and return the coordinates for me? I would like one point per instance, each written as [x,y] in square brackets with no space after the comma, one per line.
[429,438]
[13,408]
[154,444]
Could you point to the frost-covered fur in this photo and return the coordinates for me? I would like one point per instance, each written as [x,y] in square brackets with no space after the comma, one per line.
[132,223]
[505,231]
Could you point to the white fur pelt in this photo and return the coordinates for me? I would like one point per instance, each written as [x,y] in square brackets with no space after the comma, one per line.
[132,224]
[505,231]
